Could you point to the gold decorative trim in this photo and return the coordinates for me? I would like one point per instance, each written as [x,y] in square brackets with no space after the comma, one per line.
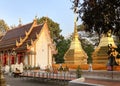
[37,35]
[20,39]
[26,33]
[27,45]
[32,42]
[17,43]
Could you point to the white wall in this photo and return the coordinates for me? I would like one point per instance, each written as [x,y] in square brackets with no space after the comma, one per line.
[43,51]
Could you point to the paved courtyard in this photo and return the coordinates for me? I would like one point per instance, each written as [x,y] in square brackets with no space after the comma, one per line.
[103,82]
[11,81]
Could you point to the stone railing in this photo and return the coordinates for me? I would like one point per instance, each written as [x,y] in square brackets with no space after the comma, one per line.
[109,75]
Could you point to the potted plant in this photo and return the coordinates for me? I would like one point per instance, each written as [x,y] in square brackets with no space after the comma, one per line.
[78,72]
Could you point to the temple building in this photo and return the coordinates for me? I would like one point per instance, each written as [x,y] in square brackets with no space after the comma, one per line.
[30,44]
[75,54]
[100,55]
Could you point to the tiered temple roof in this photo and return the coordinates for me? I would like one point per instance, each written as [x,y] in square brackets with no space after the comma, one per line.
[21,37]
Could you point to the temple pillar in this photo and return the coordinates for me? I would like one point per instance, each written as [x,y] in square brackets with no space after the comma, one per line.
[4,59]
[23,58]
[31,60]
[1,57]
[8,58]
[19,58]
[34,56]
[48,54]
[12,59]
[28,59]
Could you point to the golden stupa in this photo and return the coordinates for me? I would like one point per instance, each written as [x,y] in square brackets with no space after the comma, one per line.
[100,55]
[75,54]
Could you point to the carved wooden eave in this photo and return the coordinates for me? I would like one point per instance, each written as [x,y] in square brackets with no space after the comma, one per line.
[32,42]
[21,39]
[35,22]
[27,33]
[17,44]
[28,46]
[37,35]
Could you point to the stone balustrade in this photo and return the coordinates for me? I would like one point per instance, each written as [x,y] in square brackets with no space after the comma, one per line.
[109,75]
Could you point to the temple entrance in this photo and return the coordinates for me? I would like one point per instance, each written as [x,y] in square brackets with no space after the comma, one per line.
[20,57]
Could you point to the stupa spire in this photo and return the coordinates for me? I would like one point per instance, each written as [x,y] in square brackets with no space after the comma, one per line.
[100,55]
[75,54]
[75,35]
[20,22]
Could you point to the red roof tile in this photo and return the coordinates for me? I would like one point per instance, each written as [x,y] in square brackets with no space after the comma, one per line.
[9,40]
[32,36]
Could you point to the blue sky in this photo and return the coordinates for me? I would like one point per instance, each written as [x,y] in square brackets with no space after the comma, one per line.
[58,10]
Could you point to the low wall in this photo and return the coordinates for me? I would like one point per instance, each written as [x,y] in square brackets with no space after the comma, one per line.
[86,66]
[83,66]
[81,83]
[110,75]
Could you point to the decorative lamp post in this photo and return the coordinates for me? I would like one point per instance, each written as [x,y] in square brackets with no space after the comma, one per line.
[2,80]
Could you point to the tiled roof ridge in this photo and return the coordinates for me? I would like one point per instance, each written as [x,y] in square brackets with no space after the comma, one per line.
[18,27]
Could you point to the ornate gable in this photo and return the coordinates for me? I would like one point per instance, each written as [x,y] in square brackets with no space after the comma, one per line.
[15,37]
[32,37]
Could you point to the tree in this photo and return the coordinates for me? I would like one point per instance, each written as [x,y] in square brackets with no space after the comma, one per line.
[78,72]
[53,26]
[3,27]
[100,15]
[88,48]
[88,40]
[81,27]
[62,44]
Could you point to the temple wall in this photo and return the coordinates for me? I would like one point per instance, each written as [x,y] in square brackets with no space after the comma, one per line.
[32,57]
[43,51]
[26,60]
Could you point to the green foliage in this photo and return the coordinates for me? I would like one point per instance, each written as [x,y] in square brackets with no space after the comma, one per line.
[118,50]
[78,72]
[60,69]
[25,67]
[53,26]
[100,15]
[81,27]
[66,69]
[62,46]
[88,48]
[37,68]
[3,27]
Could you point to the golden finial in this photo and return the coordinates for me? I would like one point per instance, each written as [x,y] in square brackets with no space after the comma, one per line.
[35,20]
[20,22]
[36,17]
[46,18]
